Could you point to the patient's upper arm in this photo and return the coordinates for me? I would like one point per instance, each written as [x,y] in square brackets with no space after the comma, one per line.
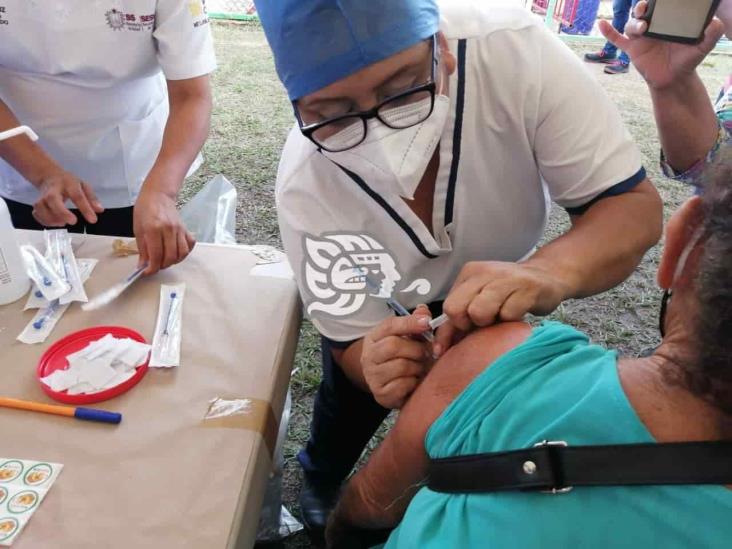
[388,481]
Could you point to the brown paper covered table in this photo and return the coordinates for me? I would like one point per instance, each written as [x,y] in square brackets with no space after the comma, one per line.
[163,477]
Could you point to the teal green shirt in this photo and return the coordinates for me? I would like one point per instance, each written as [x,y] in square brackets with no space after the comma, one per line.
[556,386]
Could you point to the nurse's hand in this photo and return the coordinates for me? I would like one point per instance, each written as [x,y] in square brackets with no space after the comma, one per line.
[394,361]
[663,64]
[58,187]
[161,236]
[487,292]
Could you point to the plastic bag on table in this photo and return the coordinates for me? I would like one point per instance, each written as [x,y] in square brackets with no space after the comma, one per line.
[276,523]
[211,214]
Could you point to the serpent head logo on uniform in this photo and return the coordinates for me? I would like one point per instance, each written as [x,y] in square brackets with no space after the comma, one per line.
[342,270]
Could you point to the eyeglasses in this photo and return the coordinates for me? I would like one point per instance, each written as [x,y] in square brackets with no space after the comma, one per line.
[398,112]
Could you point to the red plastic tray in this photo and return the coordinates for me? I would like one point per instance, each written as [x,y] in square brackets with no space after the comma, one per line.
[55,359]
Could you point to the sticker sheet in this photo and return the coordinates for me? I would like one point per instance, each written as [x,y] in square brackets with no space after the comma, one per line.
[23,485]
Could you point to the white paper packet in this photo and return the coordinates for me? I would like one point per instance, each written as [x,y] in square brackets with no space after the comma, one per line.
[36,299]
[167,339]
[43,323]
[101,365]
[45,320]
[61,255]
[42,273]
[113,292]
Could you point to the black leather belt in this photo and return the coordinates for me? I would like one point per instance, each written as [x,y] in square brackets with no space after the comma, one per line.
[555,467]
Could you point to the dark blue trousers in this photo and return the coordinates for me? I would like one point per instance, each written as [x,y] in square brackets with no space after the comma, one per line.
[621,15]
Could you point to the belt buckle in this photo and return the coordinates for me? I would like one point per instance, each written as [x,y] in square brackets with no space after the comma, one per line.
[562,443]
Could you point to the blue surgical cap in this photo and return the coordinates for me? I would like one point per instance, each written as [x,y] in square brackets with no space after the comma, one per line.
[318,42]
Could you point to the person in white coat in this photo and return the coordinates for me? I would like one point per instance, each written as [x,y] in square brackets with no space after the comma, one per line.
[119,94]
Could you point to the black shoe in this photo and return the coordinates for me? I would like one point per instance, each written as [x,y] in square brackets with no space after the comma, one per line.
[317,500]
[600,57]
[619,67]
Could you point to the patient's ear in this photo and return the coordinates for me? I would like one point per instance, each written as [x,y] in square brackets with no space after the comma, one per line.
[680,229]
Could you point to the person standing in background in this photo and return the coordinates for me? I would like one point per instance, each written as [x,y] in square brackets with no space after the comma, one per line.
[696,135]
[609,54]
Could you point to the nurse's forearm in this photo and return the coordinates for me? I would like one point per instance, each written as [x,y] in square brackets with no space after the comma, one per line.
[185,134]
[687,123]
[606,244]
[29,159]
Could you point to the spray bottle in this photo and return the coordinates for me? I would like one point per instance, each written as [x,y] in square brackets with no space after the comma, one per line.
[14,282]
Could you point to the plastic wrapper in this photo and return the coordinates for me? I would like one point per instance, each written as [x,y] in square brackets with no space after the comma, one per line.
[42,273]
[48,315]
[211,214]
[275,521]
[43,323]
[61,255]
[36,299]
[167,338]
[113,292]
[120,248]
[265,254]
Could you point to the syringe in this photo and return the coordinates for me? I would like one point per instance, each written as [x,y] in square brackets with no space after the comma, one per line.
[394,305]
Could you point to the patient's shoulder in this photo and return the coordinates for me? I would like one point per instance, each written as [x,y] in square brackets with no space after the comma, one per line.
[481,348]
[460,365]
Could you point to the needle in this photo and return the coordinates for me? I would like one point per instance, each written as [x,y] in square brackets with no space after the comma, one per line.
[394,305]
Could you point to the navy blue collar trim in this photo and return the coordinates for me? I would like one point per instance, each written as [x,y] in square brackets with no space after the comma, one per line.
[391,211]
[452,182]
[458,133]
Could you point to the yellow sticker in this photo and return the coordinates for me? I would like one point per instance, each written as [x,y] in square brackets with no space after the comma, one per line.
[196,8]
[38,474]
[8,527]
[23,501]
[10,470]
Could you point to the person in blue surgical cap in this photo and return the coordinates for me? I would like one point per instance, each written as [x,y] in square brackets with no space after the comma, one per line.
[430,142]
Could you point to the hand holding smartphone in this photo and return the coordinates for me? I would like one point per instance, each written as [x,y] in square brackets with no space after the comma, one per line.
[679,20]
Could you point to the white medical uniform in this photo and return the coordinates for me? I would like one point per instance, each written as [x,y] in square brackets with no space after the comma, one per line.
[89,77]
[528,125]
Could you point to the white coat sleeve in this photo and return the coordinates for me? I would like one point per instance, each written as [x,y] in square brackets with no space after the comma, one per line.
[582,147]
[183,39]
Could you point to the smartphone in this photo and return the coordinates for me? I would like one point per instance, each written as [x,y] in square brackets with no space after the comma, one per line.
[679,20]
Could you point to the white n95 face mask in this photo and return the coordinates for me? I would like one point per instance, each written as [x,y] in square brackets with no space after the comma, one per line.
[395,159]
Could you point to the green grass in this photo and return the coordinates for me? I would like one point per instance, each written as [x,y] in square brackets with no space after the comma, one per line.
[250,123]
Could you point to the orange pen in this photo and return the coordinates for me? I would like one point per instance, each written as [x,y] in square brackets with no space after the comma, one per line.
[88,414]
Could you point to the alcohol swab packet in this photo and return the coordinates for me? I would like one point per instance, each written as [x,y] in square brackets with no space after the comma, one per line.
[167,339]
[45,320]
[61,255]
[36,299]
[42,273]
